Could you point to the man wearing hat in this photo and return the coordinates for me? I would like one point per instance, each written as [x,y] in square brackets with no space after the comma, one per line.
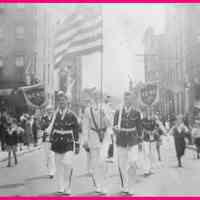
[196,134]
[64,142]
[49,155]
[127,128]
[95,127]
[152,128]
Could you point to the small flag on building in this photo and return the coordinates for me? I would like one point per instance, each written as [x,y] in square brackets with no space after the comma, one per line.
[80,33]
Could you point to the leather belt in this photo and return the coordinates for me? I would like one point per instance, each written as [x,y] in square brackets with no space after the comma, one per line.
[99,129]
[147,131]
[125,129]
[63,132]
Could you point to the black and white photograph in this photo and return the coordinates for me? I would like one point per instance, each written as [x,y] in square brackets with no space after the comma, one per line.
[99,99]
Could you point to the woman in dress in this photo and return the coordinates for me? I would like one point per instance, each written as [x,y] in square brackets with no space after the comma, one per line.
[179,131]
[196,135]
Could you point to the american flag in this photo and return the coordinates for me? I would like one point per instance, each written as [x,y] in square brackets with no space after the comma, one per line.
[80,33]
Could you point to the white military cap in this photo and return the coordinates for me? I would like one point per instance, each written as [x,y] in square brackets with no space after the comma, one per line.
[49,107]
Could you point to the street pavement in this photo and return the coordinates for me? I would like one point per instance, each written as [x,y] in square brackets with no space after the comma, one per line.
[29,176]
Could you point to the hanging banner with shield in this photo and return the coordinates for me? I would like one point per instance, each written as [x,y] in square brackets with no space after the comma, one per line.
[35,96]
[149,95]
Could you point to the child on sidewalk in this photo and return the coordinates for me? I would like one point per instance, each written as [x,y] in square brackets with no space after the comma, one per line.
[11,141]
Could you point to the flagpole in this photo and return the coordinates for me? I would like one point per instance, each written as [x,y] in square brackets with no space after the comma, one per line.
[101,68]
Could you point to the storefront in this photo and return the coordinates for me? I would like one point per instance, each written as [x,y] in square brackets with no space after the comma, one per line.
[26,99]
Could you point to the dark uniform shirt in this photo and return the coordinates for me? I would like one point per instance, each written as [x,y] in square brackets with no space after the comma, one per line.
[45,122]
[151,130]
[129,120]
[67,123]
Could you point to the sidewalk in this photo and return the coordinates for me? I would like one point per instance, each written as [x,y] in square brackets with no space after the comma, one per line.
[25,150]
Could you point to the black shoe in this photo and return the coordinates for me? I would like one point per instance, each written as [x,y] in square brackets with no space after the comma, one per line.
[51,176]
[180,164]
[8,166]
[198,157]
[59,193]
[148,174]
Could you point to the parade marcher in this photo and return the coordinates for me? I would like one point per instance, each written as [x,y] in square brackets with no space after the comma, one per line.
[64,142]
[20,132]
[196,136]
[11,140]
[48,153]
[28,131]
[151,135]
[127,128]
[3,128]
[110,116]
[95,129]
[179,131]
[35,129]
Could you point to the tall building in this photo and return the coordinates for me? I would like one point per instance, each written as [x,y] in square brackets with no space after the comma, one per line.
[45,72]
[17,43]
[173,59]
[156,69]
[17,47]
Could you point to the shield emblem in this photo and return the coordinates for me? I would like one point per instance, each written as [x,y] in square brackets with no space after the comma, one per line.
[149,94]
[36,96]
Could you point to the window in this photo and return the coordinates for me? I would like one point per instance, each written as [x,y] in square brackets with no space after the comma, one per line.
[19,62]
[1,62]
[20,32]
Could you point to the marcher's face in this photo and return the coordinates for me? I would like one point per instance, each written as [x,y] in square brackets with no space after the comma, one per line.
[145,115]
[63,102]
[49,112]
[127,100]
[179,121]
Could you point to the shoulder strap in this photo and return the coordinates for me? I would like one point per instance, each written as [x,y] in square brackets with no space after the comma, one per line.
[50,128]
[120,117]
[93,119]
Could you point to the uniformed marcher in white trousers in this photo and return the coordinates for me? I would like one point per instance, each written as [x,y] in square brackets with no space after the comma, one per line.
[65,143]
[48,153]
[127,128]
[95,125]
[151,128]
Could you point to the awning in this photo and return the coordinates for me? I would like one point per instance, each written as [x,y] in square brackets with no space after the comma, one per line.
[5,92]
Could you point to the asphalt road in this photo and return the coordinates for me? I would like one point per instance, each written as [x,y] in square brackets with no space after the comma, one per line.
[29,176]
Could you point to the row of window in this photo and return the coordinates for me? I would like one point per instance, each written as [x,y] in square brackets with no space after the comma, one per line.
[19,32]
[19,61]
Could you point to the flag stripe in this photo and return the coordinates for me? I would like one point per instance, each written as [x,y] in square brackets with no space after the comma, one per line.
[93,48]
[76,19]
[80,33]
[83,27]
[79,50]
[86,40]
[81,43]
[85,46]
[69,23]
[83,36]
[86,51]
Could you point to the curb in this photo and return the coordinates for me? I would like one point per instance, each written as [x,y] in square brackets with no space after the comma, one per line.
[191,148]
[22,153]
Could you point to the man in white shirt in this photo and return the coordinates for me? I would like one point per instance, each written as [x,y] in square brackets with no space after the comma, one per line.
[49,155]
[95,126]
